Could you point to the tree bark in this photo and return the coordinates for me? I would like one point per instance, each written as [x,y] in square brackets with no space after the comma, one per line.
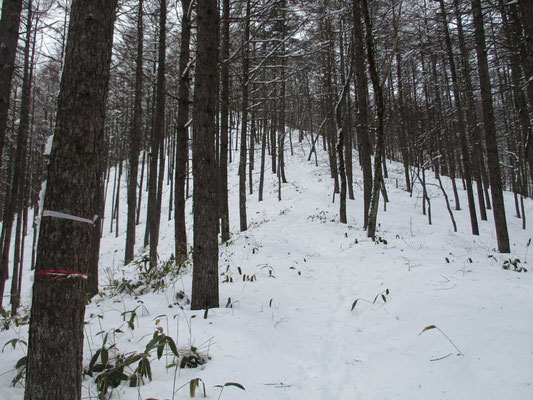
[158,136]
[135,140]
[182,148]
[403,142]
[224,123]
[526,17]
[244,121]
[471,117]
[362,110]
[9,34]
[498,205]
[512,36]
[460,123]
[378,153]
[205,255]
[55,352]
[19,183]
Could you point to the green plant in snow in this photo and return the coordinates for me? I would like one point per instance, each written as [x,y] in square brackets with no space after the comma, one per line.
[20,366]
[112,368]
[8,319]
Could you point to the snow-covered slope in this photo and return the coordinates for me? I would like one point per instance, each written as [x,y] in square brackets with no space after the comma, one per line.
[291,333]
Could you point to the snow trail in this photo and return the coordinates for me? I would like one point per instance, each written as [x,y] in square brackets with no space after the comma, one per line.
[290,333]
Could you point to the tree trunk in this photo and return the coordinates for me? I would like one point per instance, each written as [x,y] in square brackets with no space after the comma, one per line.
[526,17]
[9,34]
[157,174]
[471,116]
[224,124]
[182,148]
[205,255]
[135,140]
[513,35]
[55,351]
[263,151]
[244,128]
[378,153]
[403,142]
[362,110]
[21,165]
[460,123]
[498,205]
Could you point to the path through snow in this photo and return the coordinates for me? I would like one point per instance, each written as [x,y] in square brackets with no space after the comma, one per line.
[291,334]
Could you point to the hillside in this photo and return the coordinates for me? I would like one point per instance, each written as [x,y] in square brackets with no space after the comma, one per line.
[289,283]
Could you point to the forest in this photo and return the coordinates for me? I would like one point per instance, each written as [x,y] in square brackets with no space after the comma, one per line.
[266,199]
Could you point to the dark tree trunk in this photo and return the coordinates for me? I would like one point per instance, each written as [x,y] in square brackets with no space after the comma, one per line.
[282,111]
[498,205]
[135,140]
[19,183]
[55,352]
[273,147]
[401,131]
[251,151]
[341,133]
[348,147]
[9,34]
[157,174]
[362,109]
[460,123]
[526,17]
[263,151]
[205,254]
[182,148]
[224,124]
[513,35]
[378,153]
[244,129]
[471,116]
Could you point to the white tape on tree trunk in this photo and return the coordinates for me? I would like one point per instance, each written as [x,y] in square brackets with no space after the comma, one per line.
[56,214]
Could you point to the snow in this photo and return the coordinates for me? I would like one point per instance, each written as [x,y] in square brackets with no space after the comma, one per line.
[291,333]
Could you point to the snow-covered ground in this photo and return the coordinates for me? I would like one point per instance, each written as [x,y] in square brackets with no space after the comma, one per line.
[291,333]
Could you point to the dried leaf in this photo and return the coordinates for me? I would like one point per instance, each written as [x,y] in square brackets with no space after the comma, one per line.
[193,384]
[235,384]
[427,328]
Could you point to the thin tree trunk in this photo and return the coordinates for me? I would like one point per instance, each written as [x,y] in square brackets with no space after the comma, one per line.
[378,96]
[9,34]
[182,148]
[135,140]
[490,131]
[460,123]
[158,134]
[224,124]
[362,110]
[513,36]
[244,129]
[473,126]
[19,174]
[263,156]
